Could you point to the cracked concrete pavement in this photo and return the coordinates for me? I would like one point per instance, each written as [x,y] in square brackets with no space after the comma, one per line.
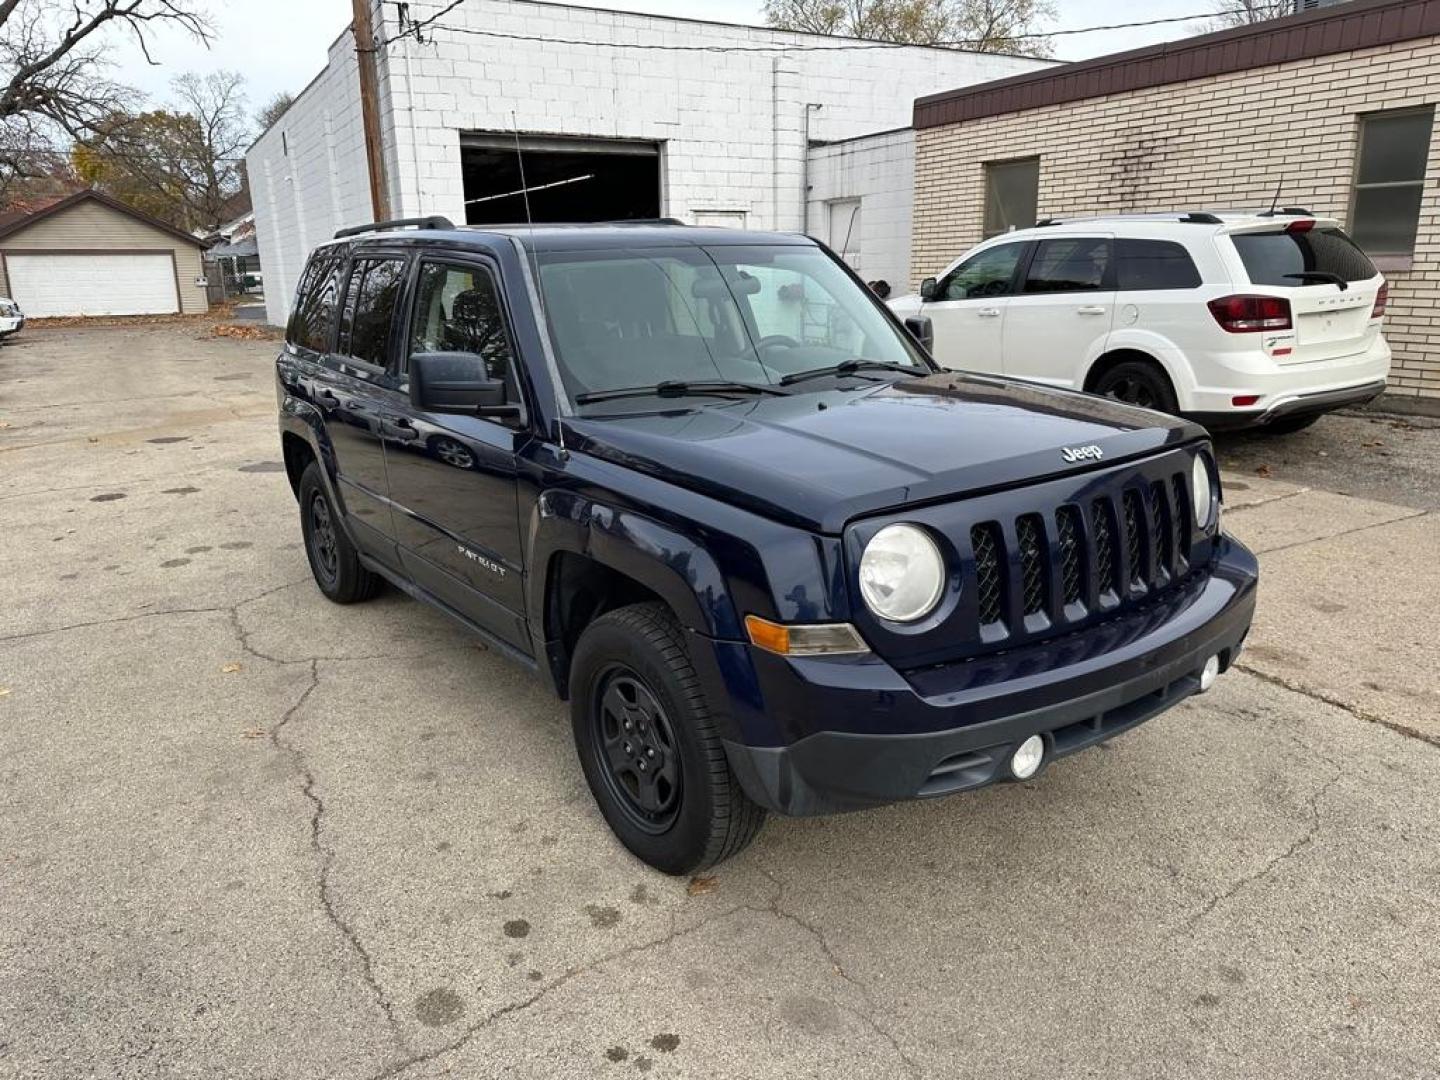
[245,833]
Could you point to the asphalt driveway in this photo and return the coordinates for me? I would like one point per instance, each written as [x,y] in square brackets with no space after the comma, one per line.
[246,833]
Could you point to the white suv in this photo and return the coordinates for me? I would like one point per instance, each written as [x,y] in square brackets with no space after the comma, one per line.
[1235,319]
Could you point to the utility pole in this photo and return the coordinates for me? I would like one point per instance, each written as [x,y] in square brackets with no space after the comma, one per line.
[364,32]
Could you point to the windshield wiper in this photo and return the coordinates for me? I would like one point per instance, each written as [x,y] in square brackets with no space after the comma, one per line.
[1321,275]
[848,367]
[680,388]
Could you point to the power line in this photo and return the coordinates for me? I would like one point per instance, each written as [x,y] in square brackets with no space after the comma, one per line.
[432,22]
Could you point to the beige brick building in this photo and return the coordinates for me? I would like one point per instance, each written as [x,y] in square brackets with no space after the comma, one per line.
[1216,122]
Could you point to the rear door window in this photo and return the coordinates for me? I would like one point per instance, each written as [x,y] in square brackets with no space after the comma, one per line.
[1298,259]
[1069,264]
[1145,265]
[314,312]
[369,310]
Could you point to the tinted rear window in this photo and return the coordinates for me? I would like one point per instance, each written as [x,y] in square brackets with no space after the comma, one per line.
[1154,264]
[1276,258]
[314,305]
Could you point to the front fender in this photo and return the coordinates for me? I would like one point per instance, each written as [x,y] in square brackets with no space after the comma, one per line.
[675,567]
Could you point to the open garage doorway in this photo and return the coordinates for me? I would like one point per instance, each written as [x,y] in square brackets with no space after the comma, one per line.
[568,179]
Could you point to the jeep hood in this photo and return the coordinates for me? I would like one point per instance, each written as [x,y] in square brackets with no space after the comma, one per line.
[820,459]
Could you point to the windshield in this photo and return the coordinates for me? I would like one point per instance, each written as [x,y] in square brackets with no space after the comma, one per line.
[1298,259]
[640,317]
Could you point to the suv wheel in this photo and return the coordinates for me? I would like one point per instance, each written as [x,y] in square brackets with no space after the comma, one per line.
[1137,382]
[333,559]
[649,747]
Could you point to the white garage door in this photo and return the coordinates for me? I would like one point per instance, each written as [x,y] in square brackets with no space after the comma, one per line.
[97,284]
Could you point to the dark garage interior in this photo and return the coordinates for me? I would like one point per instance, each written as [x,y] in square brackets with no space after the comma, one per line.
[567,179]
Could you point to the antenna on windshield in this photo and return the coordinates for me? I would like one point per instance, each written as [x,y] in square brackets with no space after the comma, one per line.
[535,264]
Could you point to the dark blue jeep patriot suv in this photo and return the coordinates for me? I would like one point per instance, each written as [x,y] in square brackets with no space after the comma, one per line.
[713,493]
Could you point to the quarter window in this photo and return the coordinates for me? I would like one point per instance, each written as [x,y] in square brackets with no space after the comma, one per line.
[369,310]
[990,273]
[458,310]
[1069,264]
[1011,193]
[1144,265]
[315,305]
[1390,180]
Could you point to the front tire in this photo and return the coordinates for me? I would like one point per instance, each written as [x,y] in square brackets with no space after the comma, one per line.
[333,559]
[649,744]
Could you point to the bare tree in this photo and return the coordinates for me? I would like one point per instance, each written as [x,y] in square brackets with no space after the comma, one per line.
[182,165]
[274,109]
[1230,13]
[1006,26]
[54,85]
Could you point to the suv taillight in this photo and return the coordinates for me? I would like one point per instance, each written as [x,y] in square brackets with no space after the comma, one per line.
[1381,297]
[1251,314]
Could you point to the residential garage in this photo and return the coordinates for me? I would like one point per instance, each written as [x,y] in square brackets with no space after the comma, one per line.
[88,254]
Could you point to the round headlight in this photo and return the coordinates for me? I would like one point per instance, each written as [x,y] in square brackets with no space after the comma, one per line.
[1201,491]
[901,573]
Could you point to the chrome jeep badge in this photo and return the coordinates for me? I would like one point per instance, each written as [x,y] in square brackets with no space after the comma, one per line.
[1090,452]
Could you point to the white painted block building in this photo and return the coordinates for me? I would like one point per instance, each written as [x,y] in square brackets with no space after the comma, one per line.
[862,191]
[619,115]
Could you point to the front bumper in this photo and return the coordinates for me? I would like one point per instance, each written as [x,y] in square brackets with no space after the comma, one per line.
[954,728]
[11,324]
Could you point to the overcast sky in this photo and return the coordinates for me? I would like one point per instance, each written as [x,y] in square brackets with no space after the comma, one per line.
[281,44]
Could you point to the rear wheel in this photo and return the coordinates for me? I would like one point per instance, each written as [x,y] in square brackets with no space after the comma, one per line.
[333,559]
[649,744]
[1137,382]
[1289,425]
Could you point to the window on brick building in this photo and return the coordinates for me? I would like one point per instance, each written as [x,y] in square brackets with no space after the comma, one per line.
[1012,190]
[1390,180]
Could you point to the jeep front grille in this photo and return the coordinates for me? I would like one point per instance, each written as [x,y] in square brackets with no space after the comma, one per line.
[988,572]
[1032,559]
[1075,560]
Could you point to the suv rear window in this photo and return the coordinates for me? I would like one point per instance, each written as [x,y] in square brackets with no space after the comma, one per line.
[1284,258]
[314,305]
[1154,264]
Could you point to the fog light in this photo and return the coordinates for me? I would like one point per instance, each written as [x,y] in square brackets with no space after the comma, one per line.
[1026,760]
[1209,673]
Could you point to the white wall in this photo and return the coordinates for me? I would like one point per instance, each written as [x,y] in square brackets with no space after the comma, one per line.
[879,170]
[730,122]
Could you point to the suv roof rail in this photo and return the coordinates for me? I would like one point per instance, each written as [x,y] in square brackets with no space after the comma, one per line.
[434,221]
[1200,217]
[643,221]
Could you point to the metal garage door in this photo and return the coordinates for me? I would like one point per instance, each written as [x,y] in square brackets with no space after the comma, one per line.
[93,284]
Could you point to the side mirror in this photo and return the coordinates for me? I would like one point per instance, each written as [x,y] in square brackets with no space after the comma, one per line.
[928,288]
[457,382]
[922,330]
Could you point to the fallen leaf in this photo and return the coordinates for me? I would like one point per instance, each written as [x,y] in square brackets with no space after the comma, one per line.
[254,733]
[1263,470]
[232,667]
[700,885]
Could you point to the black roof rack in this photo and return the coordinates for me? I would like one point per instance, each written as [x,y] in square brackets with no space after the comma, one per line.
[643,221]
[1200,217]
[1047,221]
[434,221]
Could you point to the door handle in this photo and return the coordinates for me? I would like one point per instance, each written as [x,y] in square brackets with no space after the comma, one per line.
[988,312]
[1091,309]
